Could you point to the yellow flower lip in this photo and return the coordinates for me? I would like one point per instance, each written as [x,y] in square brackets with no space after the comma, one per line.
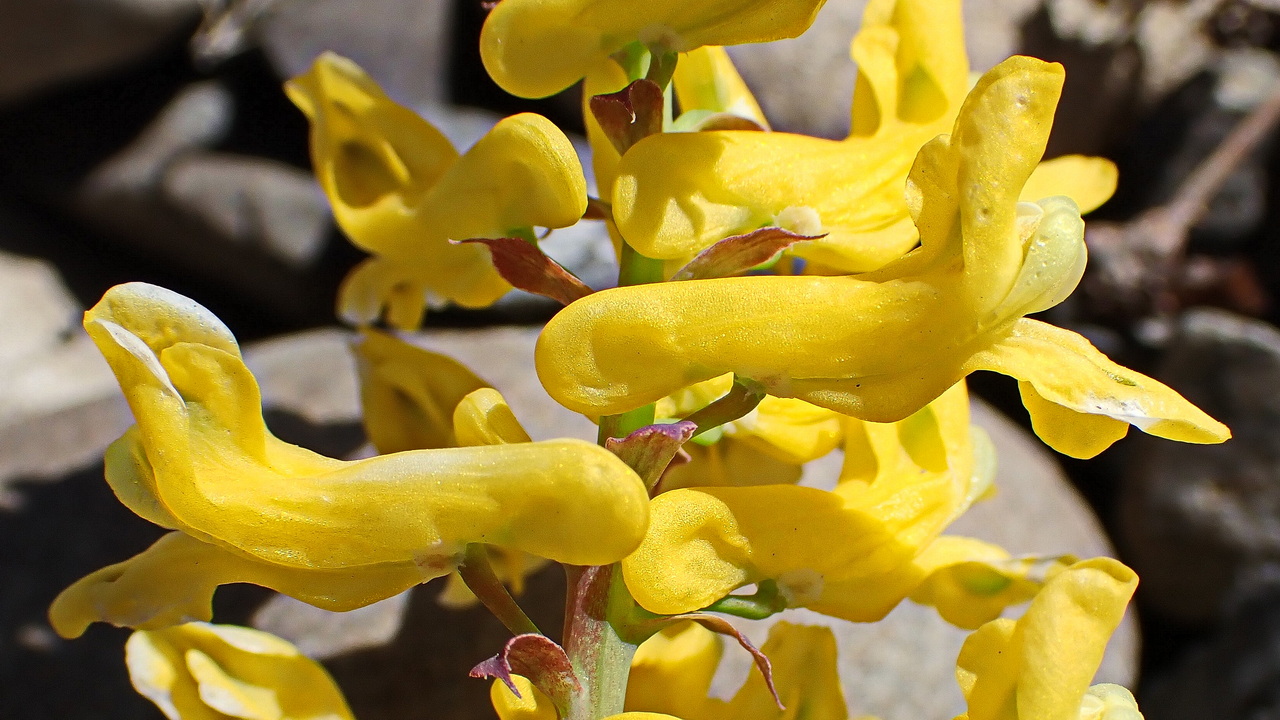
[202,461]
[199,670]
[879,346]
[536,48]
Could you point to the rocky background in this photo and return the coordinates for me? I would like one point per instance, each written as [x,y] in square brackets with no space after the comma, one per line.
[149,140]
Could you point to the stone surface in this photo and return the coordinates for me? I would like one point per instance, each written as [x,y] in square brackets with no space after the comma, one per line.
[1235,674]
[252,227]
[403,44]
[1196,520]
[52,42]
[57,408]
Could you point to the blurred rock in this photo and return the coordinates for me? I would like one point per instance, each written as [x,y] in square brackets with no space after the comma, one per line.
[57,403]
[1197,520]
[52,42]
[1235,675]
[248,225]
[269,206]
[403,44]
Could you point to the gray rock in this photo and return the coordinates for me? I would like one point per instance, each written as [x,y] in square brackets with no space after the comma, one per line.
[57,404]
[1196,520]
[272,207]
[1235,675]
[249,225]
[403,44]
[52,42]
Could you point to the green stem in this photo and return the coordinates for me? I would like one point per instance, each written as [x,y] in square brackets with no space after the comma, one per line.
[600,657]
[766,601]
[478,574]
[741,399]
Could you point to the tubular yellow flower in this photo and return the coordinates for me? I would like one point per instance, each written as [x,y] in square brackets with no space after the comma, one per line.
[679,193]
[202,461]
[399,190]
[852,553]
[199,671]
[1039,667]
[880,346]
[535,48]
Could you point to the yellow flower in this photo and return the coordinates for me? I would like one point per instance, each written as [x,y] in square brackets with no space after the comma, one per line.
[1039,666]
[400,191]
[202,461]
[679,193]
[765,447]
[880,346]
[535,48]
[199,671]
[672,671]
[854,552]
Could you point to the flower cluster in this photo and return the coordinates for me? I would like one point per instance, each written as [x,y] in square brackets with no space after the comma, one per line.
[780,297]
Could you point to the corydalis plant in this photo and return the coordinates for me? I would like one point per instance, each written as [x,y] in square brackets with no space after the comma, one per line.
[744,340]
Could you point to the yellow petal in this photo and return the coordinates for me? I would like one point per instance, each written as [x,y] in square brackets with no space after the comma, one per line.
[787,431]
[972,582]
[197,670]
[704,543]
[912,65]
[408,393]
[223,478]
[535,48]
[679,193]
[1040,666]
[804,671]
[173,581]
[1089,181]
[532,704]
[671,672]
[484,418]
[375,159]
[847,343]
[1080,401]
[705,79]
[729,462]
[1109,702]
[848,553]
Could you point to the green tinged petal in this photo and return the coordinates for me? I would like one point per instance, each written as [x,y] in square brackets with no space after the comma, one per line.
[706,80]
[1040,666]
[535,48]
[199,671]
[1080,401]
